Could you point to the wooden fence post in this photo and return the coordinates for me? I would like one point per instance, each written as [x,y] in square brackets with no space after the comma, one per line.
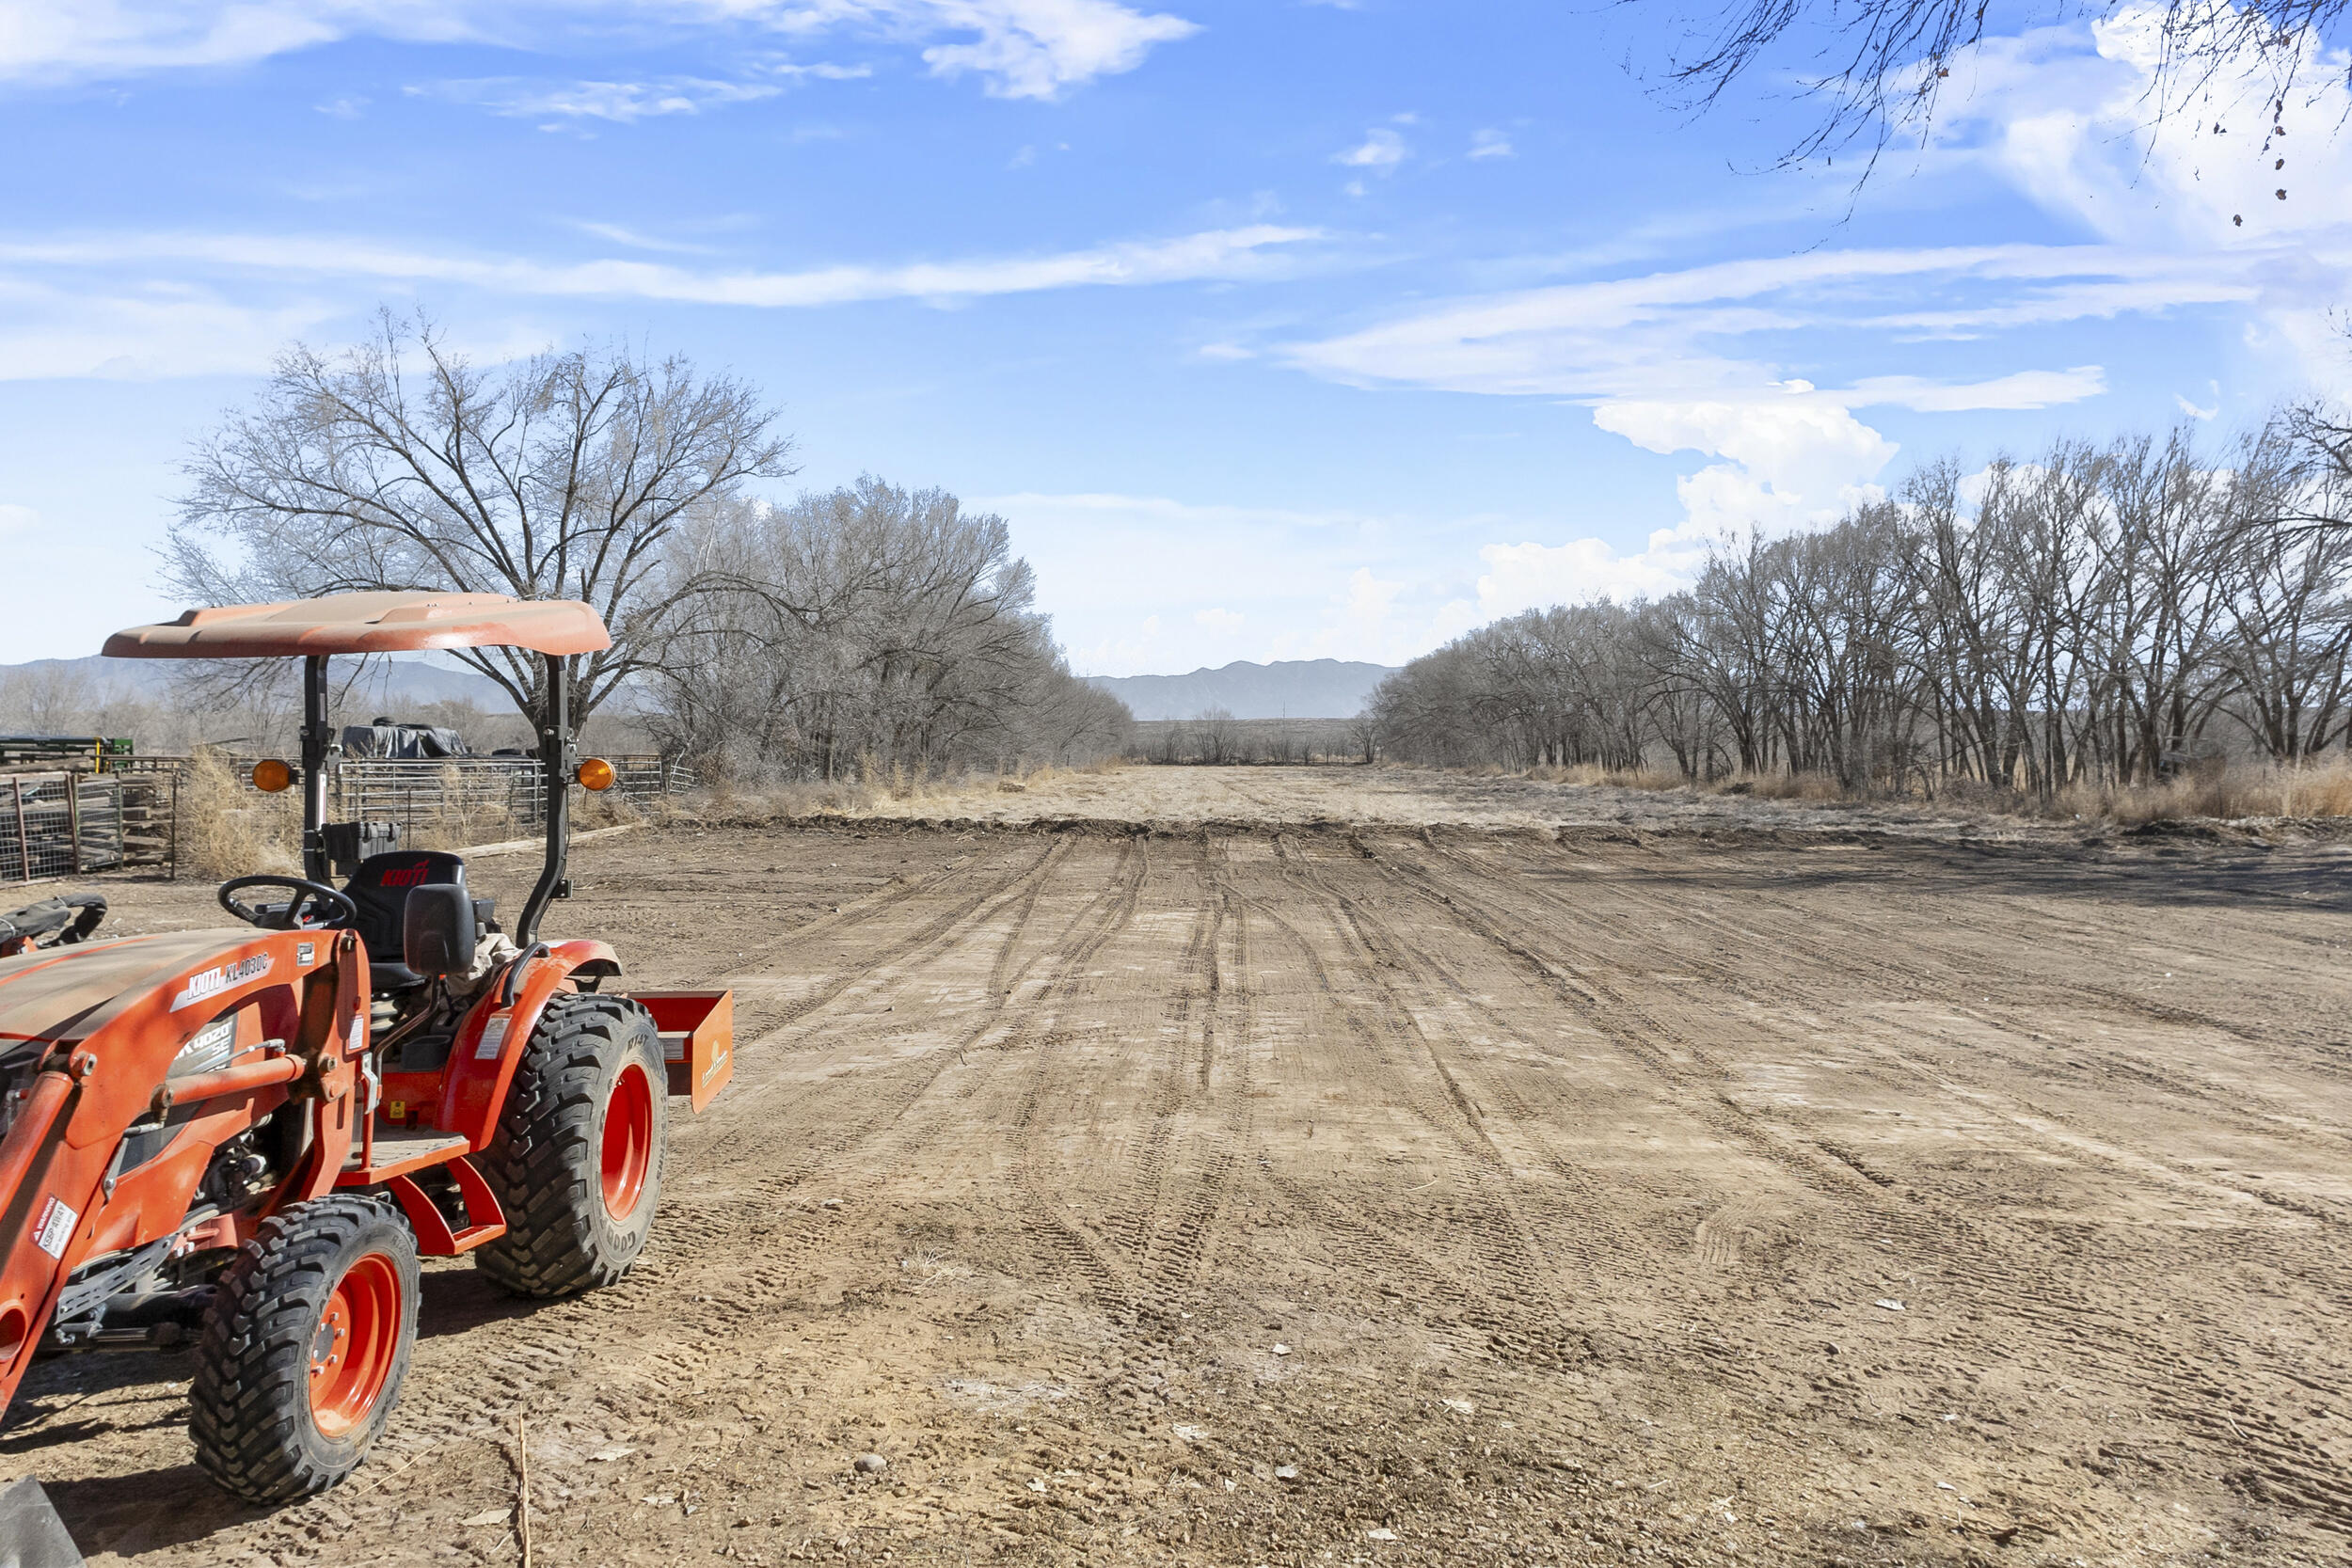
[23,844]
[74,819]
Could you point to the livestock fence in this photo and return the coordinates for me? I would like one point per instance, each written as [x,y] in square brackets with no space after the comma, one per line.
[478,796]
[65,823]
[62,824]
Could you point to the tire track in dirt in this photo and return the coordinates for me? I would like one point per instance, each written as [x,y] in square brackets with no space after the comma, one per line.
[2077,1324]
[1518,1308]
[1177,1252]
[1838,948]
[1104,1276]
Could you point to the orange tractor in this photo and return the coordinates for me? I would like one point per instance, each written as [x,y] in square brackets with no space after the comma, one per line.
[241,1141]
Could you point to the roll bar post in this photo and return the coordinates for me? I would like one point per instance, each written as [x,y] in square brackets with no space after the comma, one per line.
[314,740]
[555,757]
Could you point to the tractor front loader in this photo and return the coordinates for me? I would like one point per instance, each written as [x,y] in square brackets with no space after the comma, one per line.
[241,1141]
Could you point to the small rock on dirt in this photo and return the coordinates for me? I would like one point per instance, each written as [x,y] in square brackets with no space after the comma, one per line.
[1379,1535]
[487,1516]
[870,1464]
[605,1456]
[1282,1350]
[1286,1472]
[1890,1303]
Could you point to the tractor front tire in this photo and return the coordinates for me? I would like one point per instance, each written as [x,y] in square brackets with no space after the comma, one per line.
[304,1349]
[576,1159]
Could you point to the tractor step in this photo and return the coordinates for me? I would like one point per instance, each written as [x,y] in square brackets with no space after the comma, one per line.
[400,1151]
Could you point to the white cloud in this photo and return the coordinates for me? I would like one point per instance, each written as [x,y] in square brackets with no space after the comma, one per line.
[1676,332]
[1020,47]
[140,333]
[1798,462]
[1039,47]
[1380,150]
[622,234]
[50,312]
[2066,116]
[1220,621]
[623,103]
[1531,575]
[1490,144]
[13,517]
[1666,360]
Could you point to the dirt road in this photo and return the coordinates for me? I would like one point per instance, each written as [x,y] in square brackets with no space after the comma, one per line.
[1398,1194]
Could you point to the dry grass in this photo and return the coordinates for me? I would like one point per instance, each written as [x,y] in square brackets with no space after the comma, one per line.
[2232,792]
[227,829]
[2239,791]
[1594,774]
[877,790]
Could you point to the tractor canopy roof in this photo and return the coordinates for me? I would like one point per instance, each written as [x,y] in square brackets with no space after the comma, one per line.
[383,622]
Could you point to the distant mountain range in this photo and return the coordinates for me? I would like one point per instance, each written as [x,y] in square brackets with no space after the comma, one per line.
[1287,689]
[1293,689]
[389,681]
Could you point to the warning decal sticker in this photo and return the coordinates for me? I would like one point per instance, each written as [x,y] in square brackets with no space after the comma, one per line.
[55,1229]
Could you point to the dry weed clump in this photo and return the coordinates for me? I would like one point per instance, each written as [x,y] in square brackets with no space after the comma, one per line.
[1593,774]
[225,828]
[875,790]
[2229,793]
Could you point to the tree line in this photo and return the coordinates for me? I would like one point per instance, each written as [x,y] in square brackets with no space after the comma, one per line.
[2096,616]
[868,626]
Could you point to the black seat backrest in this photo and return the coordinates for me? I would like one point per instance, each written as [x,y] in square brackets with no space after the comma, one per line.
[380,888]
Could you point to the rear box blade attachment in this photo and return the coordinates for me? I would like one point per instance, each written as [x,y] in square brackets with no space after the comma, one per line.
[697,1038]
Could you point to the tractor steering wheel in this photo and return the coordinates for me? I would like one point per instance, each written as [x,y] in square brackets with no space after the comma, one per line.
[308,900]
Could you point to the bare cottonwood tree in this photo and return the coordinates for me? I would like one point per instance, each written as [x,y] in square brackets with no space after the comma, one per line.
[2099,616]
[866,626]
[1879,66]
[399,463]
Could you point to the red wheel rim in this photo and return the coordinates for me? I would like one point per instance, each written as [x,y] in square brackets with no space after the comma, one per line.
[352,1350]
[628,1141]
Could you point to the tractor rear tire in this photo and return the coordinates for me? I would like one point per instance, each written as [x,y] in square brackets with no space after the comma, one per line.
[304,1347]
[576,1162]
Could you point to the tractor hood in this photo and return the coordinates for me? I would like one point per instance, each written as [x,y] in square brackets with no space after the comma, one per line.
[60,994]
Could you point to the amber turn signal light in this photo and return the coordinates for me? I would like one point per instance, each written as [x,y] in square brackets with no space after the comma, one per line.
[596,774]
[270,776]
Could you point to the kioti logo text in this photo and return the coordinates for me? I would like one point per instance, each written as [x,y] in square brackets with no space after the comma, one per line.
[405,875]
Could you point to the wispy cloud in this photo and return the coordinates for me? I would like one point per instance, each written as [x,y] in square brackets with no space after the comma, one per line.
[60,315]
[1490,144]
[1256,250]
[623,103]
[1019,48]
[1380,150]
[619,234]
[1682,332]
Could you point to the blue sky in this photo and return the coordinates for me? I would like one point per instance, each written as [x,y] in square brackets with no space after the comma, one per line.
[1276,329]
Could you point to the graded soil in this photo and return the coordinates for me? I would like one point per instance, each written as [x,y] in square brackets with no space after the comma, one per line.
[1375,1191]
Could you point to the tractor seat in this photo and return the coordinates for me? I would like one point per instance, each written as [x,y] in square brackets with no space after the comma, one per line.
[380,888]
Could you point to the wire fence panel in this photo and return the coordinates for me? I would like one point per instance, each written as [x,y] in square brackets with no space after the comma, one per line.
[59,825]
[476,799]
